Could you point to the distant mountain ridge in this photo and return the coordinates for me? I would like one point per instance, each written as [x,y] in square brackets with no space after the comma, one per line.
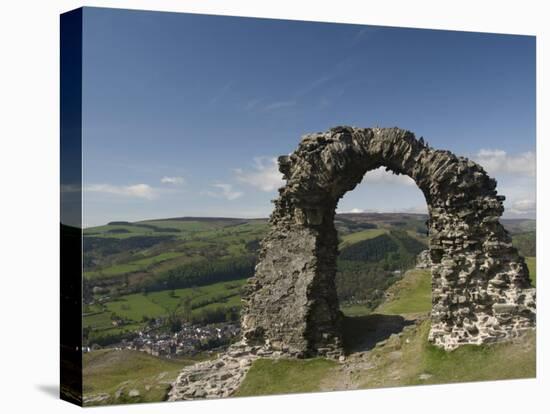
[512,224]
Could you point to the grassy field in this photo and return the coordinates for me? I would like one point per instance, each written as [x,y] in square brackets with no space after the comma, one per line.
[406,359]
[115,250]
[116,373]
[133,308]
[532,266]
[477,363]
[411,360]
[412,294]
[181,228]
[355,310]
[352,238]
[267,377]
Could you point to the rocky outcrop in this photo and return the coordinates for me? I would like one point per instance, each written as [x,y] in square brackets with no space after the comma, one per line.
[481,289]
[219,377]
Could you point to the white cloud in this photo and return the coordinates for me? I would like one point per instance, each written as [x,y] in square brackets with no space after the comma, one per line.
[422,209]
[496,161]
[523,207]
[380,175]
[515,174]
[136,190]
[223,191]
[264,176]
[172,180]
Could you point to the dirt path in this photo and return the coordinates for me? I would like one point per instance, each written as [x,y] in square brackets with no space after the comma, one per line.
[374,357]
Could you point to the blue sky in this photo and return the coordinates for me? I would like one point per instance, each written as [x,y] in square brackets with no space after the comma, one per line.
[184,114]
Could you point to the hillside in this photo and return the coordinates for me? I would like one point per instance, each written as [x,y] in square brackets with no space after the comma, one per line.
[152,276]
[193,268]
[137,272]
[124,376]
[402,359]
[390,348]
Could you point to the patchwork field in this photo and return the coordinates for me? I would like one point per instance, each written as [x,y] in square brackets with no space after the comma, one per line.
[136,310]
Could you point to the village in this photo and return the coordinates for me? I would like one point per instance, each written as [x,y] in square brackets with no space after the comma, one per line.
[188,341]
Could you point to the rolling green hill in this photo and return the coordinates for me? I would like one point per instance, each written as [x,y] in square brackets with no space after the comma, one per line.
[526,242]
[368,266]
[134,272]
[194,268]
[205,304]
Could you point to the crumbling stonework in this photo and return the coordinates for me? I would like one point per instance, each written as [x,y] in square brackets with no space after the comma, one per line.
[423,260]
[220,377]
[480,285]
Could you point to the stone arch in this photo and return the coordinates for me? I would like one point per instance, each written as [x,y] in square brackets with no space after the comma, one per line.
[480,284]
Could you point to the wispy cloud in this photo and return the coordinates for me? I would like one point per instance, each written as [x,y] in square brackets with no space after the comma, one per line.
[265,105]
[223,190]
[496,161]
[515,175]
[172,180]
[362,34]
[278,105]
[316,83]
[137,190]
[221,93]
[264,175]
[253,104]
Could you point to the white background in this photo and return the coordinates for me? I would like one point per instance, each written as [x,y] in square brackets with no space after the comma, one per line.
[29,206]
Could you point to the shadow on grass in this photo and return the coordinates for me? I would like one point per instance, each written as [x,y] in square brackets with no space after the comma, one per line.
[362,333]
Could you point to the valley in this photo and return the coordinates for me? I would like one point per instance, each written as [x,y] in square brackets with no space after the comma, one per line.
[169,291]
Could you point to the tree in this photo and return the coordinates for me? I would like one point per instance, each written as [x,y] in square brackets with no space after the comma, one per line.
[187,309]
[174,323]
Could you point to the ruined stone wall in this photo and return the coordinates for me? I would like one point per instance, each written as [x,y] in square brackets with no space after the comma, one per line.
[480,285]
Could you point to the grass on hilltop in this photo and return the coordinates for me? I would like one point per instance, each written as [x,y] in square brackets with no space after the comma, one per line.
[532,266]
[412,294]
[107,371]
[412,360]
[408,359]
[358,236]
[267,376]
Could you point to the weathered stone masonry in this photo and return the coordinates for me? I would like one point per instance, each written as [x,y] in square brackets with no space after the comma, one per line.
[480,285]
